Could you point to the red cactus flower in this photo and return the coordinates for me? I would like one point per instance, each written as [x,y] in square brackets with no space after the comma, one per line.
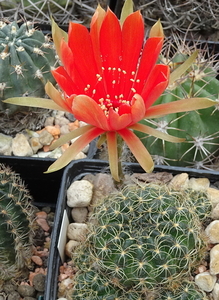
[111,79]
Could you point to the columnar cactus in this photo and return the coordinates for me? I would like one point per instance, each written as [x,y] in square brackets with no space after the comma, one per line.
[144,239]
[197,127]
[26,58]
[16,218]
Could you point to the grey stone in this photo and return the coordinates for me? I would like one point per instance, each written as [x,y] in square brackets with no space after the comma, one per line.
[39,282]
[26,291]
[35,144]
[103,185]
[79,214]
[13,296]
[45,138]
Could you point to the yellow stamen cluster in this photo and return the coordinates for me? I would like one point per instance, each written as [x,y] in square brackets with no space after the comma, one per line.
[116,77]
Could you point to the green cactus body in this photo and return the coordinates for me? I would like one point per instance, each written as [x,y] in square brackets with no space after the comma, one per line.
[187,291]
[197,127]
[26,59]
[145,238]
[16,217]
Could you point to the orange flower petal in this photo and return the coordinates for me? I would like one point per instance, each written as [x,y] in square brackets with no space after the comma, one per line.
[55,95]
[81,46]
[64,81]
[95,26]
[113,154]
[137,108]
[149,57]
[130,34]
[74,149]
[156,133]
[156,84]
[86,109]
[179,106]
[138,149]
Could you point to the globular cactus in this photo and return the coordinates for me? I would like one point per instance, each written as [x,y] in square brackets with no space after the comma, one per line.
[26,59]
[143,239]
[16,219]
[197,127]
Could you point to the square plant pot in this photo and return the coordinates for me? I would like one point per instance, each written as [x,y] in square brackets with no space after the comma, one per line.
[76,170]
[43,187]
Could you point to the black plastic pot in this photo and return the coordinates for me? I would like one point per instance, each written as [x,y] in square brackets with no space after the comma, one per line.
[77,170]
[43,187]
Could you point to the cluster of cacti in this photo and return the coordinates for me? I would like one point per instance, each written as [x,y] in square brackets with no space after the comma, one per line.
[197,127]
[181,15]
[16,219]
[26,58]
[144,241]
[40,11]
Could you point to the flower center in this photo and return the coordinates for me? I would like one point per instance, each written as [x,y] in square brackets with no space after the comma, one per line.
[113,88]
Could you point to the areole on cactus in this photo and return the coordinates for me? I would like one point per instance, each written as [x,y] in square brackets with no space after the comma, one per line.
[110,79]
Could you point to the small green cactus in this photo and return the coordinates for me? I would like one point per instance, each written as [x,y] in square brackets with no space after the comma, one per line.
[197,127]
[26,58]
[16,219]
[143,239]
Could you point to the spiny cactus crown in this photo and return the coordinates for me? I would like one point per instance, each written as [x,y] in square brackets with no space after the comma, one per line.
[26,58]
[142,238]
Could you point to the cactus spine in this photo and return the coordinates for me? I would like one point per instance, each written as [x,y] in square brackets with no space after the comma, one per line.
[16,218]
[182,15]
[145,240]
[197,127]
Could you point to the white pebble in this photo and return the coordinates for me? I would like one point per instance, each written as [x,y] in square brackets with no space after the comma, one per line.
[215,292]
[212,231]
[70,246]
[79,194]
[77,231]
[205,281]
[214,260]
